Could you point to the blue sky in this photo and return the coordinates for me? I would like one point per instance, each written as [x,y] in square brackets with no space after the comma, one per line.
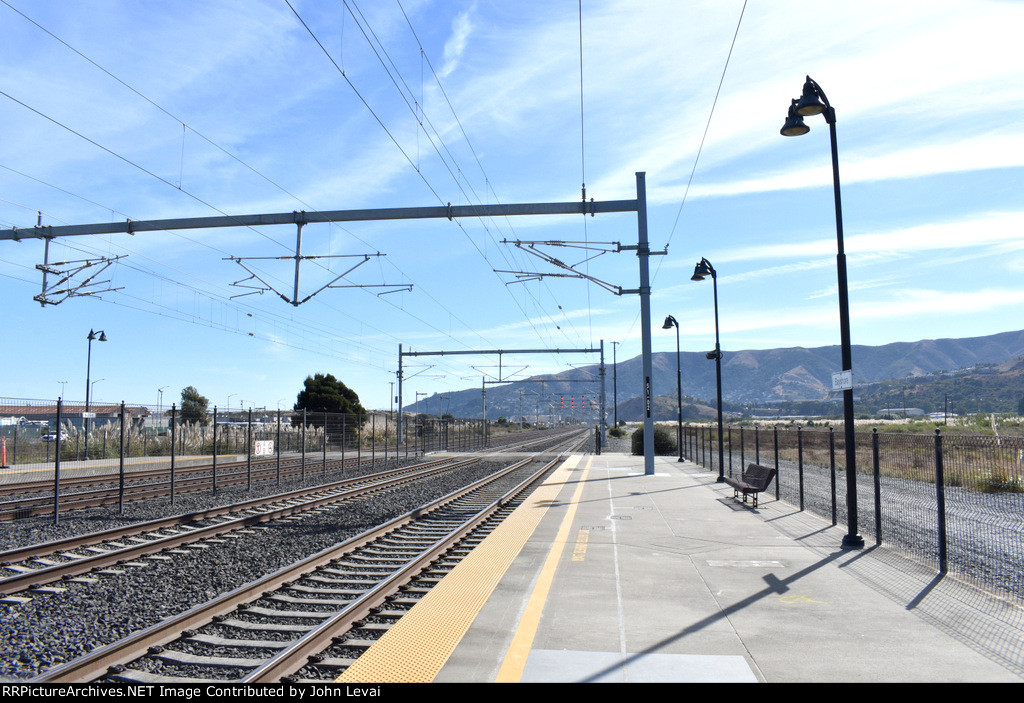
[115,109]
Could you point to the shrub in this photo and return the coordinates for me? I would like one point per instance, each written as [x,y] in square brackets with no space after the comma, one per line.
[616,432]
[664,441]
[1001,482]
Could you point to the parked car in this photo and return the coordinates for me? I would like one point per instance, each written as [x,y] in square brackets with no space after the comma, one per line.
[51,436]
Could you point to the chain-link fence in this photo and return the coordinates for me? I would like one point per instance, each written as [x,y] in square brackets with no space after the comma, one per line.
[953,501]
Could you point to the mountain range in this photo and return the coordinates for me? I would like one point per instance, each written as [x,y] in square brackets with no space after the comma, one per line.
[752,378]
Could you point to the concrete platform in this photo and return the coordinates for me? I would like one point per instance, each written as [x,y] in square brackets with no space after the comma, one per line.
[607,575]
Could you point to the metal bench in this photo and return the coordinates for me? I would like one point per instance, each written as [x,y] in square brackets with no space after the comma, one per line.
[755,479]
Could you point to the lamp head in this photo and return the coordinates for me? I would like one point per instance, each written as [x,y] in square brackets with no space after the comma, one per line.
[702,270]
[103,336]
[810,102]
[794,126]
[670,322]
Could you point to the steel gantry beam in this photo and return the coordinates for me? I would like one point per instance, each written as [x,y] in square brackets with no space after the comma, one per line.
[490,352]
[449,211]
[303,218]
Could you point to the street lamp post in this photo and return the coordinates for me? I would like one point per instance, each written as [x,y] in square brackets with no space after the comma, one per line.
[88,370]
[671,322]
[702,270]
[814,102]
[160,403]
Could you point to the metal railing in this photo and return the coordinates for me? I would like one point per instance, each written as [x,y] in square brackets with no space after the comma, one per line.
[952,501]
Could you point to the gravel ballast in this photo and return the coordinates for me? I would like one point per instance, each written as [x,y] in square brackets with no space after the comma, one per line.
[54,627]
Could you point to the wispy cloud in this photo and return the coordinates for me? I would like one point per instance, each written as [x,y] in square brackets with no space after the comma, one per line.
[454,48]
[985,230]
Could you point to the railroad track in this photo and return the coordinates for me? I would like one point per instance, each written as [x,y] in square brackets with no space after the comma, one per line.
[79,493]
[309,621]
[36,498]
[39,565]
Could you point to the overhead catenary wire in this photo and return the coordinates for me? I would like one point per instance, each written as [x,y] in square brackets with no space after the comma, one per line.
[487,181]
[700,148]
[419,113]
[174,117]
[457,174]
[178,185]
[218,298]
[583,170]
[411,104]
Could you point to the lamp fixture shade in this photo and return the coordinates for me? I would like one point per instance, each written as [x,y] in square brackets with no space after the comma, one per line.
[809,103]
[702,270]
[103,336]
[670,322]
[794,126]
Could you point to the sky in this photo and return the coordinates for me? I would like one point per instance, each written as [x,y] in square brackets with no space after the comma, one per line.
[118,109]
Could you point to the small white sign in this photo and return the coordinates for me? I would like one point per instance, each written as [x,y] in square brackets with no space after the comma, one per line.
[88,414]
[264,447]
[842,380]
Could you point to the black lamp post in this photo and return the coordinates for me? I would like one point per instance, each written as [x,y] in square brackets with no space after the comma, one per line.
[702,270]
[814,102]
[88,369]
[671,322]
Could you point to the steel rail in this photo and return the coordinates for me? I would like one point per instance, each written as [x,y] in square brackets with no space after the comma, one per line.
[94,664]
[76,567]
[293,658]
[43,505]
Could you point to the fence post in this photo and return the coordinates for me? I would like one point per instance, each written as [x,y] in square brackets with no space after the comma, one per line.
[303,451]
[279,446]
[876,470]
[775,437]
[940,495]
[730,451]
[757,444]
[56,468]
[248,454]
[832,467]
[173,429]
[324,469]
[120,491]
[743,451]
[215,449]
[799,463]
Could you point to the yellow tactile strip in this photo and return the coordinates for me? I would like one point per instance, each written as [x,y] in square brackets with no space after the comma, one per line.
[415,649]
[514,664]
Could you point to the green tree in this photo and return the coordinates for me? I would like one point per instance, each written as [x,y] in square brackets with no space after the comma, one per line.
[323,393]
[194,407]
